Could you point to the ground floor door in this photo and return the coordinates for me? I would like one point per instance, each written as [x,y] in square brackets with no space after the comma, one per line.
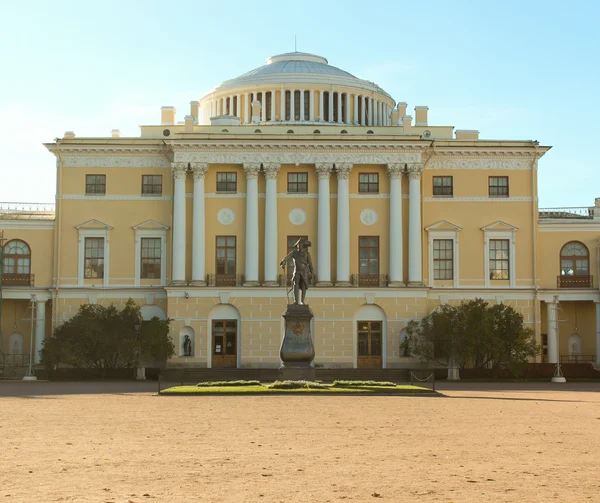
[369,344]
[224,347]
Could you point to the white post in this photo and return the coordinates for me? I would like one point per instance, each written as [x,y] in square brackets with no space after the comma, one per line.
[231,106]
[324,226]
[251,170]
[552,329]
[347,114]
[271,241]
[321,118]
[273,112]
[375,112]
[292,105]
[371,111]
[362,112]
[199,170]
[355,108]
[282,116]
[301,104]
[597,333]
[311,105]
[330,118]
[247,108]
[395,171]
[339,114]
[343,224]
[415,273]
[263,106]
[179,173]
[40,328]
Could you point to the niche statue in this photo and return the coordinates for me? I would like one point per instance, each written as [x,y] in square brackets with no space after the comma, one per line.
[187,346]
[303,269]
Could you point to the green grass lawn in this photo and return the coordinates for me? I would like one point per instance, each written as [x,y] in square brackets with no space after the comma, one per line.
[262,389]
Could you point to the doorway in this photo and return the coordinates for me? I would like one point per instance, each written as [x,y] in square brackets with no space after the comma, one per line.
[369,344]
[224,343]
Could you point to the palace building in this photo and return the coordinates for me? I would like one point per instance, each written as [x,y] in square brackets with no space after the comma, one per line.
[192,218]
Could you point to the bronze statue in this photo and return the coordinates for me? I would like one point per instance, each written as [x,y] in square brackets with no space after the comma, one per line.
[187,346]
[303,269]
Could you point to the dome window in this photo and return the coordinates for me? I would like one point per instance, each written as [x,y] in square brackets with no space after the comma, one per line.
[257,131]
[370,131]
[343,131]
[316,131]
[225,131]
[166,132]
[290,131]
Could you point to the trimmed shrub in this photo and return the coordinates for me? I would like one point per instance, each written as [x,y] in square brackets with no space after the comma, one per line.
[296,385]
[229,383]
[347,384]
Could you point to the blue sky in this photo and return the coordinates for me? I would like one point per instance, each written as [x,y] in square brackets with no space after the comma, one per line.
[513,70]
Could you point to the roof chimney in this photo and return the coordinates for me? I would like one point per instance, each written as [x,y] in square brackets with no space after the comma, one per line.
[167,116]
[194,110]
[69,134]
[421,116]
[401,111]
[406,120]
[467,134]
[116,133]
[189,124]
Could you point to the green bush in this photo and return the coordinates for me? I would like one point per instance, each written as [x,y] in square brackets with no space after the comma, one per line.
[229,383]
[347,384]
[296,385]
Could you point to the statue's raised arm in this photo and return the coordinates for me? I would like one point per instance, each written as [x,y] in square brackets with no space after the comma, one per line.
[303,269]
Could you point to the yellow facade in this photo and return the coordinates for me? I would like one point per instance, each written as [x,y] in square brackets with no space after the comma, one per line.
[489,201]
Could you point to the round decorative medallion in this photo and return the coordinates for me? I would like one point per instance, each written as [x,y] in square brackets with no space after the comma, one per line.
[297,216]
[226,216]
[368,216]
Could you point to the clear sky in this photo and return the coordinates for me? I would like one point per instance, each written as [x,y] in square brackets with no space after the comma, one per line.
[526,70]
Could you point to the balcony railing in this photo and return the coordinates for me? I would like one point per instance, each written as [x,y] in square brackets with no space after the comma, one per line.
[9,279]
[577,358]
[369,280]
[14,360]
[578,213]
[27,210]
[575,281]
[229,280]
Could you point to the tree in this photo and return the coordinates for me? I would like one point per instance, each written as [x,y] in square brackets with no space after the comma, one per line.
[102,337]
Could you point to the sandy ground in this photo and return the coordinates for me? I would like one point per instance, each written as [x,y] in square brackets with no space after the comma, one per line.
[117,442]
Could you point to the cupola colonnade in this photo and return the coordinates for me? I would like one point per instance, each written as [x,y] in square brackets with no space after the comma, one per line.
[302,105]
[324,171]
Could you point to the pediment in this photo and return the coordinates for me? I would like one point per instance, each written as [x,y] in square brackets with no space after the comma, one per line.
[150,224]
[499,225]
[93,224]
[443,225]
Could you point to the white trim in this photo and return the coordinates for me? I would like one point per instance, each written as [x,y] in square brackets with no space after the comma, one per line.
[477,199]
[225,312]
[490,233]
[93,233]
[150,233]
[30,225]
[565,225]
[369,312]
[443,234]
[113,197]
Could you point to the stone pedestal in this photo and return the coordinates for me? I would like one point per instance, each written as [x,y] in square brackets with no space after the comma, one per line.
[297,349]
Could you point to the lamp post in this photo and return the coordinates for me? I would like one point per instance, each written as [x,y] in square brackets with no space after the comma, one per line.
[29,376]
[140,372]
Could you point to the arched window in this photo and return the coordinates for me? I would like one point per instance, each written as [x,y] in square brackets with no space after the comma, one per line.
[290,131]
[316,131]
[574,259]
[17,258]
[343,131]
[257,131]
[225,131]
[369,131]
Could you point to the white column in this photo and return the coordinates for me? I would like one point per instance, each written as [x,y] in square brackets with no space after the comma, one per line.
[292,105]
[347,114]
[251,273]
[199,170]
[213,108]
[273,112]
[238,106]
[395,171]
[247,112]
[597,333]
[362,112]
[339,107]
[282,105]
[311,105]
[355,109]
[40,328]
[324,226]
[552,329]
[231,110]
[179,172]
[415,273]
[271,241]
[301,104]
[375,112]
[370,111]
[330,118]
[343,224]
[263,107]
[321,108]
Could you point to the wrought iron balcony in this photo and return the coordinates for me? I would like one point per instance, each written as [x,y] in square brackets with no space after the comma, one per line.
[577,359]
[9,279]
[578,213]
[369,280]
[575,281]
[230,280]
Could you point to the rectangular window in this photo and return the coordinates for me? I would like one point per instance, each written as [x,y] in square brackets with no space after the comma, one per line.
[95,184]
[227,182]
[368,183]
[225,256]
[152,185]
[368,261]
[94,258]
[151,256]
[298,183]
[499,259]
[442,186]
[498,186]
[443,259]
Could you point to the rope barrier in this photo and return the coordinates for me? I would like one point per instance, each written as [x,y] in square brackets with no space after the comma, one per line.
[431,376]
[421,380]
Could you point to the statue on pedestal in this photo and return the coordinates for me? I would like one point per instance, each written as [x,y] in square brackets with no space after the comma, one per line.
[187,346]
[303,269]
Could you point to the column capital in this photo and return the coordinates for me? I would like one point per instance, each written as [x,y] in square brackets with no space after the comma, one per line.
[415,170]
[324,170]
[343,170]
[395,170]
[179,169]
[199,169]
[251,169]
[271,169]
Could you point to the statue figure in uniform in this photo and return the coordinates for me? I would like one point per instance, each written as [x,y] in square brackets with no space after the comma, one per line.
[303,269]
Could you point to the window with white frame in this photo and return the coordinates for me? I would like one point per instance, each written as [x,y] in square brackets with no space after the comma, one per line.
[94,252]
[443,254]
[94,258]
[151,258]
[150,253]
[499,256]
[443,259]
[499,245]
